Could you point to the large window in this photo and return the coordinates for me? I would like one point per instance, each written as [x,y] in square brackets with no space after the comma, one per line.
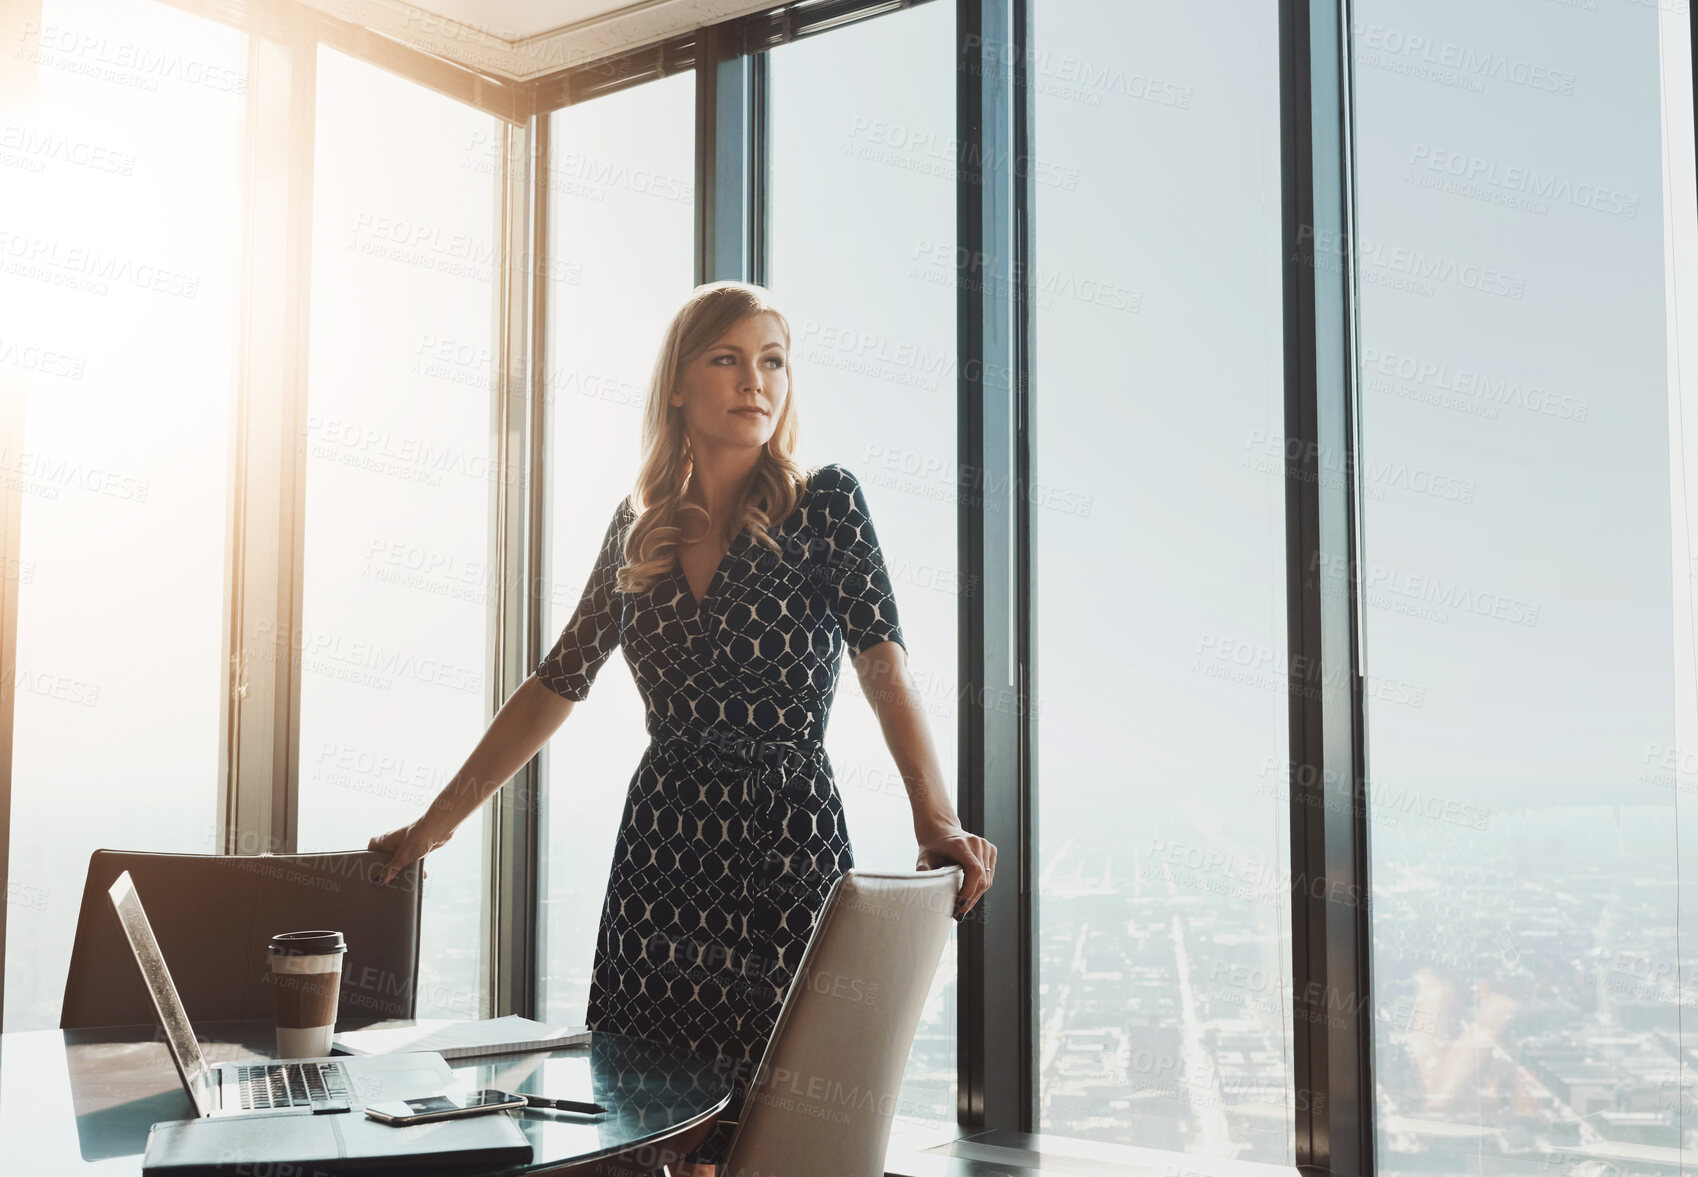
[620,263]
[1159,514]
[120,247]
[863,244]
[1518,389]
[399,476]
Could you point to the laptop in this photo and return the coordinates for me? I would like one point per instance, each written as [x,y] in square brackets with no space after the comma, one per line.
[307,1110]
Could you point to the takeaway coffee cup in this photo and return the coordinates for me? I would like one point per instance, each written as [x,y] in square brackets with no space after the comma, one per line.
[306,974]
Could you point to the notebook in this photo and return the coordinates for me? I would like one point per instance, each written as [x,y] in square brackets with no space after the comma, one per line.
[454,1038]
[310,1146]
[267,1117]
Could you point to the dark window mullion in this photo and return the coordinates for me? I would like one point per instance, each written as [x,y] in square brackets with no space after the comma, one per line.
[758,126]
[996,970]
[1331,1014]
[729,142]
[513,839]
[1025,458]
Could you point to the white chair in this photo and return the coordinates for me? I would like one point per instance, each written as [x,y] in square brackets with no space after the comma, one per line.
[822,1100]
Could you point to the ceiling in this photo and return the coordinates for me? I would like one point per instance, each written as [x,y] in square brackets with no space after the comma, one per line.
[523,39]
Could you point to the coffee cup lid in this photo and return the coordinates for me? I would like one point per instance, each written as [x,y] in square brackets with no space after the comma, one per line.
[306,943]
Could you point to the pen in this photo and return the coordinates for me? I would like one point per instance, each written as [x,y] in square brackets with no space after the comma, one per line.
[564,1105]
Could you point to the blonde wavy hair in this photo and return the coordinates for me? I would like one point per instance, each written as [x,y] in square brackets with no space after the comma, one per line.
[664,478]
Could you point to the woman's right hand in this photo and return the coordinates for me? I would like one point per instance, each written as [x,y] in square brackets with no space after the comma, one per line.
[407,844]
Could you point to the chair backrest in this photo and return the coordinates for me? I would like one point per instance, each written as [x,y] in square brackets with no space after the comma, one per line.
[214,915]
[823,1097]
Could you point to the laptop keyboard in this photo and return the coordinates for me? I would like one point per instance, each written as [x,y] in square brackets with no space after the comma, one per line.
[323,1087]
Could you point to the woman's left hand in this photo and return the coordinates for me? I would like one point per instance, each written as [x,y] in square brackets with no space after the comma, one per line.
[951,844]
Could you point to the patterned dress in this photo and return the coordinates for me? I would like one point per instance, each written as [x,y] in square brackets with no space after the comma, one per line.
[733,831]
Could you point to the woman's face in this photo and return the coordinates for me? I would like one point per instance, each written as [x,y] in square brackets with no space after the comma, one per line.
[733,393]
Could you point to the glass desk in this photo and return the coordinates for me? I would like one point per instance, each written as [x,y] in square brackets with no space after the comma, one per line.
[81,1101]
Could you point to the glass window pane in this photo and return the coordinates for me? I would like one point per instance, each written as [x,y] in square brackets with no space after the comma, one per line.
[121,251]
[621,260]
[1516,430]
[1159,509]
[399,483]
[872,317]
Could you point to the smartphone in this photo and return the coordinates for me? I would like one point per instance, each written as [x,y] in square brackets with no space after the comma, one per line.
[444,1107]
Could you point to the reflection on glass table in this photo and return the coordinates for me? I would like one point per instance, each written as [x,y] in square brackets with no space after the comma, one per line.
[82,1100]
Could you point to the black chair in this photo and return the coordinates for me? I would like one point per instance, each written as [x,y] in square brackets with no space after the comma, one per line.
[213,916]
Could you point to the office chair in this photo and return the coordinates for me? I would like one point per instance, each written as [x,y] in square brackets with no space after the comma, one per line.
[214,915]
[843,1034]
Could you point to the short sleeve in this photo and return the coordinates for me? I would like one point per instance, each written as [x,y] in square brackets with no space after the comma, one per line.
[592,634]
[860,587]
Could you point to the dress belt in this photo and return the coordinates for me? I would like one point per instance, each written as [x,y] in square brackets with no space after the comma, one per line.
[787,767]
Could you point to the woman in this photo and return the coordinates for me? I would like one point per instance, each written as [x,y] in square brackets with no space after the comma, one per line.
[733,589]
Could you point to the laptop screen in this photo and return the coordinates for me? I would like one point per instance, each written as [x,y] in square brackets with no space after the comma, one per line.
[179,1035]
